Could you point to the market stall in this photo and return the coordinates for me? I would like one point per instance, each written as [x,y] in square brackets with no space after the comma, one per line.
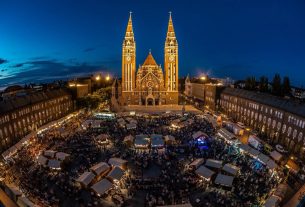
[217,164]
[157,140]
[205,172]
[61,156]
[42,160]
[85,179]
[128,140]
[231,169]
[225,134]
[115,174]
[54,164]
[49,153]
[142,141]
[276,155]
[169,139]
[224,180]
[100,168]
[117,162]
[102,187]
[196,163]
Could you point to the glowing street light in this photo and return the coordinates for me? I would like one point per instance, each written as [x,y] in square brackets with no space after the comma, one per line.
[97,78]
[203,78]
[107,78]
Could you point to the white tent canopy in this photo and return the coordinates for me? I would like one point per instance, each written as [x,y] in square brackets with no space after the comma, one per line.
[157,140]
[263,158]
[231,169]
[117,162]
[54,164]
[61,156]
[50,153]
[228,136]
[169,138]
[86,178]
[96,123]
[100,168]
[142,140]
[271,164]
[213,163]
[131,126]
[245,148]
[115,174]
[276,155]
[196,163]
[253,152]
[224,180]
[204,172]
[102,187]
[42,160]
[129,139]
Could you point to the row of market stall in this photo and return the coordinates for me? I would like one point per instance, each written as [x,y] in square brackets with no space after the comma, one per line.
[143,141]
[264,159]
[206,171]
[254,153]
[52,159]
[128,123]
[181,123]
[103,176]
[15,194]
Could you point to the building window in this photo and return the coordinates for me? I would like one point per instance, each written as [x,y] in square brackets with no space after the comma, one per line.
[284,128]
[289,131]
[300,136]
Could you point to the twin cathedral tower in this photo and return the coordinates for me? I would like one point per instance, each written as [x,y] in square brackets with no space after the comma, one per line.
[148,85]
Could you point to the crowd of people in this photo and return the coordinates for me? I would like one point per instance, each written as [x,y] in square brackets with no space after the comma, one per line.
[164,177]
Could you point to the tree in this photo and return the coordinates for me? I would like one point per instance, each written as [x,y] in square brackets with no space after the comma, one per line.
[276,85]
[91,102]
[263,84]
[286,86]
[250,83]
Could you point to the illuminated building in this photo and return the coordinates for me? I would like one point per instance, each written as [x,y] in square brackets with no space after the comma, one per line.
[22,114]
[148,85]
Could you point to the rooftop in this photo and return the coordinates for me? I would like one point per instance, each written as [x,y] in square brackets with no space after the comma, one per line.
[20,101]
[284,104]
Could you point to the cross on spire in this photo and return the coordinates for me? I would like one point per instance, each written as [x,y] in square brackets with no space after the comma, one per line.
[129,29]
[170,28]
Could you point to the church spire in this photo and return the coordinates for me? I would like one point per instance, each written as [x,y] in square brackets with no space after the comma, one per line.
[170,28]
[129,29]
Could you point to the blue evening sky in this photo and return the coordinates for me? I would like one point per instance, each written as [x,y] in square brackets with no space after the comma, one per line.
[42,40]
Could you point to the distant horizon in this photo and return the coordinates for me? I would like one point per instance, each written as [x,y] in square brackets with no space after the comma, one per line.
[51,40]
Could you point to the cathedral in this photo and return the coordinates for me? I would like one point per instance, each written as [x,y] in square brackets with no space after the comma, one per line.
[148,85]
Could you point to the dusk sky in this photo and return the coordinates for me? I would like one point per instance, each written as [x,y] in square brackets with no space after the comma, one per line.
[47,39]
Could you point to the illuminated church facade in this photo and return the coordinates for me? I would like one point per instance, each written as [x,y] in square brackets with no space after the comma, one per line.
[148,85]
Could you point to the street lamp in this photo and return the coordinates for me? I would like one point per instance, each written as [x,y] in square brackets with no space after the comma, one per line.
[97,78]
[203,78]
[107,78]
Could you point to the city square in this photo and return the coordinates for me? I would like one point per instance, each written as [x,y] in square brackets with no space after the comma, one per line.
[165,172]
[152,104]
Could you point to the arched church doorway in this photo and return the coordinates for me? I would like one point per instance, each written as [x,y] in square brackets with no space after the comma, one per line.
[150,102]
